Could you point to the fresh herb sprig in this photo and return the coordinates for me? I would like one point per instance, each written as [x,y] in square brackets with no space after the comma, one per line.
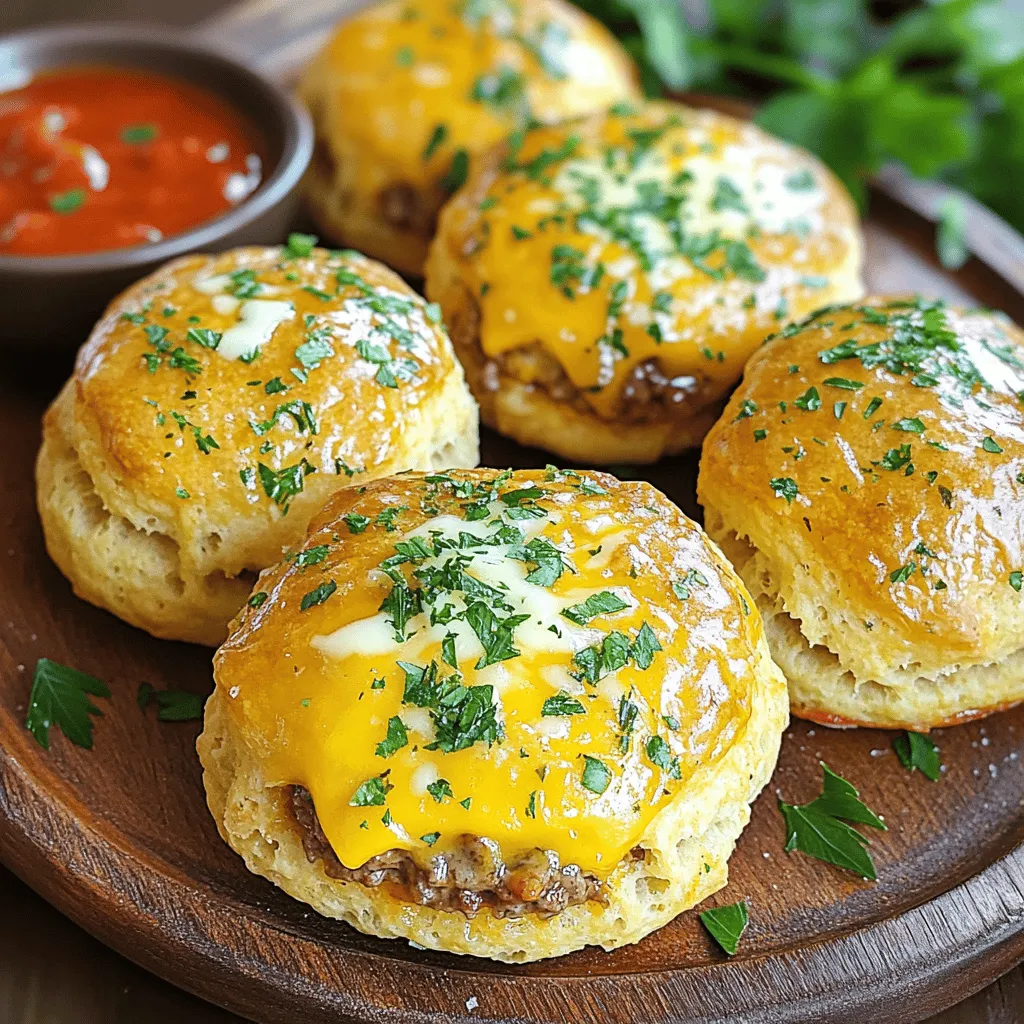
[822,828]
[61,696]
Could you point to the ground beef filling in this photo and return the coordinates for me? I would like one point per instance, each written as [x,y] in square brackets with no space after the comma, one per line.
[647,395]
[406,209]
[470,878]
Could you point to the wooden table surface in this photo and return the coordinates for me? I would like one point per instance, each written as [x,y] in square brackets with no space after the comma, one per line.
[51,972]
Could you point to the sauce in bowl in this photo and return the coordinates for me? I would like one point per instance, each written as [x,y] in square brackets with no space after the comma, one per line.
[93,159]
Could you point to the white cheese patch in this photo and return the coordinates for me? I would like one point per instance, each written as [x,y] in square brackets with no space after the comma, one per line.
[213,284]
[769,203]
[374,636]
[257,321]
[423,775]
[225,304]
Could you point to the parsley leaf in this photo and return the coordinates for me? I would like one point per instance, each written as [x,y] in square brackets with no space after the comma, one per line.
[603,603]
[917,751]
[440,789]
[596,775]
[172,705]
[318,595]
[371,793]
[726,925]
[396,738]
[821,830]
[60,696]
[562,704]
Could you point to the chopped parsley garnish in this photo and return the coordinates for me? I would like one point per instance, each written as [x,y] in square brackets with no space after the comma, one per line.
[458,171]
[371,793]
[299,245]
[603,603]
[562,704]
[903,573]
[910,425]
[313,351]
[396,738]
[727,196]
[809,401]
[660,754]
[60,696]
[355,522]
[596,775]
[318,595]
[821,828]
[67,202]
[441,789]
[282,485]
[615,652]
[203,336]
[137,134]
[311,556]
[437,138]
[681,588]
[990,445]
[784,487]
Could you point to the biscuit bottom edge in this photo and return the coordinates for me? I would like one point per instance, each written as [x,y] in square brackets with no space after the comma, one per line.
[822,691]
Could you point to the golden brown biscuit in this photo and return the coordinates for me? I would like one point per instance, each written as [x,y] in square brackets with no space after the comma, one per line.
[605,283]
[217,404]
[866,480]
[406,90]
[506,714]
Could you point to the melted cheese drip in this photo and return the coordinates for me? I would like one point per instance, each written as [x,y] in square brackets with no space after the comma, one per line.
[321,718]
[257,321]
[538,230]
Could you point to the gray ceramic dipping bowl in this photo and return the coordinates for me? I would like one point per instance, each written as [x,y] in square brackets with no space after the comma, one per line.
[49,303]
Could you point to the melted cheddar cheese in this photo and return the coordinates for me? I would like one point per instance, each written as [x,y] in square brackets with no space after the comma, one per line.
[539,658]
[219,386]
[407,88]
[875,454]
[655,234]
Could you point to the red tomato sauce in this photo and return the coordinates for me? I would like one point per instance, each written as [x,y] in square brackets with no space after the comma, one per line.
[102,158]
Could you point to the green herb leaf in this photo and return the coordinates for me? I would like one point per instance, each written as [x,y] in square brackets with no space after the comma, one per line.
[821,830]
[596,775]
[603,603]
[299,245]
[440,789]
[917,751]
[784,487]
[726,925]
[396,738]
[172,705]
[60,696]
[136,134]
[318,595]
[562,704]
[67,202]
[371,793]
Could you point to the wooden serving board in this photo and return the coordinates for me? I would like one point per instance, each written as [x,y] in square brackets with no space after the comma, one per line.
[119,837]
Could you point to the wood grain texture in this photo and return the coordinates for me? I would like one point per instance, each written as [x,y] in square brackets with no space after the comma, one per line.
[119,838]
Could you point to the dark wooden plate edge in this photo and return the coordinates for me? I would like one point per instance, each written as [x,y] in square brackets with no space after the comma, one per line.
[974,932]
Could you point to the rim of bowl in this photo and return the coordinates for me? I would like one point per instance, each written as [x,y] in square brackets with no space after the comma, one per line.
[296,152]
